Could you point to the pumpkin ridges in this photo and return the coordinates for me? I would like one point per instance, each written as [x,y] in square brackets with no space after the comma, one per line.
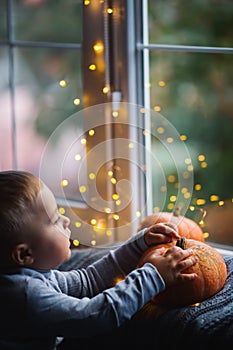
[211,276]
[210,260]
[185,226]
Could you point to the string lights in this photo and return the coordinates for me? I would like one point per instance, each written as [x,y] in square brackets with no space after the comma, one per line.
[99,225]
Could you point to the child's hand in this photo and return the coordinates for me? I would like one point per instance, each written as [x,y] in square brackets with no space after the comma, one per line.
[171,264]
[160,233]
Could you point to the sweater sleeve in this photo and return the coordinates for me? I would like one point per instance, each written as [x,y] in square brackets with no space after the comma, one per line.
[59,314]
[106,271]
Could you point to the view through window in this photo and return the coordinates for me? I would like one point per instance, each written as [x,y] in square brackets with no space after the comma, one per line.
[191,75]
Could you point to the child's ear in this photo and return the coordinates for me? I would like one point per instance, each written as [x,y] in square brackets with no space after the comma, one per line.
[22,254]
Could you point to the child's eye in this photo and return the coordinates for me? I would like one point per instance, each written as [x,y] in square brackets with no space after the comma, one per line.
[56,221]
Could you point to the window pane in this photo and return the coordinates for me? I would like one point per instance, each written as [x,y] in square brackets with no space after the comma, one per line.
[207,23]
[6,143]
[53,20]
[3,30]
[194,91]
[48,85]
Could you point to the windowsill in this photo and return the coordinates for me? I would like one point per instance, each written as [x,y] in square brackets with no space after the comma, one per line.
[222,249]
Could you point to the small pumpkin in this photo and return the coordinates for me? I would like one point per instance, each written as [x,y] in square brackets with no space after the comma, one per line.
[211,275]
[186,227]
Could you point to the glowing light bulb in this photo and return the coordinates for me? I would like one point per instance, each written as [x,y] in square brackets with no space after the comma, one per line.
[172,198]
[62,83]
[91,176]
[77,224]
[76,242]
[206,234]
[64,183]
[77,157]
[115,114]
[61,210]
[201,201]
[106,90]
[92,67]
[183,137]
[203,165]
[190,167]
[214,198]
[171,178]
[197,187]
[98,47]
[160,130]
[93,221]
[184,189]
[91,132]
[82,189]
[201,157]
[157,108]
[77,101]
[161,83]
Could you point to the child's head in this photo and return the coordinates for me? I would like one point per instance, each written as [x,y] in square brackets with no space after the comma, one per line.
[32,232]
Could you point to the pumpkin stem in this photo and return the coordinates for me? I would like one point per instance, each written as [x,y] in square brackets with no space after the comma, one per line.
[181,242]
[176,212]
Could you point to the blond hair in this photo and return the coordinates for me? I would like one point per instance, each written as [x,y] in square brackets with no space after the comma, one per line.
[18,193]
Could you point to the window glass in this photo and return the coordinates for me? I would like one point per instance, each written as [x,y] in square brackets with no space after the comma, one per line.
[41,86]
[181,22]
[53,20]
[3,31]
[193,92]
[48,90]
[6,144]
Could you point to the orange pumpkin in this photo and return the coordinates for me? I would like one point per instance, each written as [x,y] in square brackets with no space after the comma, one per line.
[211,275]
[185,226]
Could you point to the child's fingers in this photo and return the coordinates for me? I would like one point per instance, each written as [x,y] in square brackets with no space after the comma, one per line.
[184,258]
[185,264]
[159,251]
[187,277]
[158,238]
[166,229]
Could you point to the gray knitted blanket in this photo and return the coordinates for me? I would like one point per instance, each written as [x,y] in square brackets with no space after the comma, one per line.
[202,327]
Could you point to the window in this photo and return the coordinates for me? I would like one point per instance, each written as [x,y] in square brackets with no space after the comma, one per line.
[76,55]
[123,108]
[42,80]
[191,56]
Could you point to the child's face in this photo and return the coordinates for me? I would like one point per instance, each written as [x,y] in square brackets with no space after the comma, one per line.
[50,233]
